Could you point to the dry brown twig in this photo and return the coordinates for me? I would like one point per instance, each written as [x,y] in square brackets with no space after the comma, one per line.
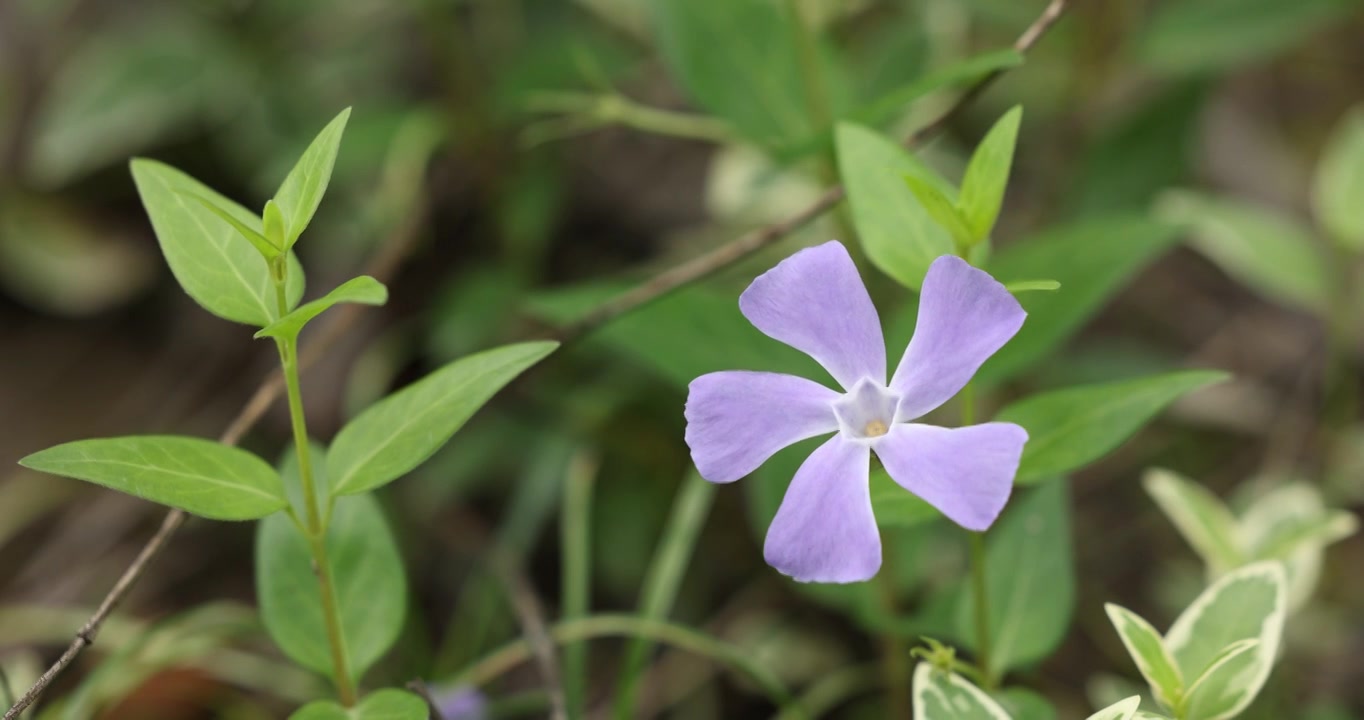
[662,284]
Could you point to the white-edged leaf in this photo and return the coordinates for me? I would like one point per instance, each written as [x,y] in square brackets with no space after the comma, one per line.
[1291,523]
[1217,694]
[987,175]
[1246,604]
[401,431]
[1149,651]
[1200,516]
[213,263]
[1123,710]
[198,476]
[363,290]
[1338,190]
[302,190]
[943,695]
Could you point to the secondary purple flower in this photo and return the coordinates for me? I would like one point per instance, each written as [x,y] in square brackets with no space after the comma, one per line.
[815,302]
[461,702]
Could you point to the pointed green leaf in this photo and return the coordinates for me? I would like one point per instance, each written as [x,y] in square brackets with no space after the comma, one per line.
[1338,190]
[363,290]
[943,695]
[987,175]
[1246,604]
[215,265]
[302,190]
[1154,660]
[262,245]
[383,705]
[401,431]
[1123,710]
[899,235]
[941,209]
[198,476]
[366,571]
[1068,429]
[1201,517]
[1218,693]
[1266,251]
[1030,568]
[272,222]
[1092,260]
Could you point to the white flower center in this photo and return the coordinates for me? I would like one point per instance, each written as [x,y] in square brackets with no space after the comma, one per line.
[867,411]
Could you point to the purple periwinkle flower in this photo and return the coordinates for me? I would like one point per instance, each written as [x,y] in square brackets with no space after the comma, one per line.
[815,302]
[461,702]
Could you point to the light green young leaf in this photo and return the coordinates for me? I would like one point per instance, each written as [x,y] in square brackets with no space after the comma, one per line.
[366,570]
[899,235]
[942,695]
[1123,710]
[1155,661]
[215,266]
[1092,260]
[1292,524]
[388,704]
[262,245]
[1338,189]
[1266,251]
[304,186]
[1201,517]
[363,290]
[273,224]
[1217,693]
[942,210]
[198,476]
[401,431]
[1030,572]
[1073,427]
[1247,604]
[987,175]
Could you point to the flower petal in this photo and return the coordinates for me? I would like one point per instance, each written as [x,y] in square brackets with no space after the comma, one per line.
[824,530]
[964,317]
[967,473]
[736,419]
[815,302]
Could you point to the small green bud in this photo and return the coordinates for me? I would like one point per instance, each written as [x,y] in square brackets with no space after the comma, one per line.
[273,220]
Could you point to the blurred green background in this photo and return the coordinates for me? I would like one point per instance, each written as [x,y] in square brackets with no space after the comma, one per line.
[490,161]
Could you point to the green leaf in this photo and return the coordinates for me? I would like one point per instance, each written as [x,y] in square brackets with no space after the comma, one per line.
[1123,710]
[1266,251]
[1212,35]
[273,224]
[1247,604]
[987,175]
[1338,189]
[215,266]
[198,476]
[262,245]
[1149,651]
[1201,517]
[303,188]
[1024,704]
[401,431]
[366,572]
[942,210]
[900,237]
[1091,259]
[363,290]
[943,695]
[895,506]
[383,705]
[887,107]
[1030,577]
[1071,428]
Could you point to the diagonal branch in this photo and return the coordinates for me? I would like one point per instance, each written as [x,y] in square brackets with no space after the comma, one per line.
[705,265]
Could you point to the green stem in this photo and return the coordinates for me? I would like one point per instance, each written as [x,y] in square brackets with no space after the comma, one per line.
[576,523]
[895,657]
[314,525]
[979,587]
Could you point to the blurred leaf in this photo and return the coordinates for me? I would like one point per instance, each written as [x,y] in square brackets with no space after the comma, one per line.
[1071,428]
[1123,710]
[302,190]
[383,705]
[895,506]
[1024,704]
[1205,36]
[1092,260]
[893,101]
[943,695]
[398,433]
[363,290]
[1248,604]
[1030,578]
[1268,252]
[215,266]
[900,237]
[1338,190]
[987,175]
[1148,650]
[198,476]
[1201,517]
[1291,524]
[366,572]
